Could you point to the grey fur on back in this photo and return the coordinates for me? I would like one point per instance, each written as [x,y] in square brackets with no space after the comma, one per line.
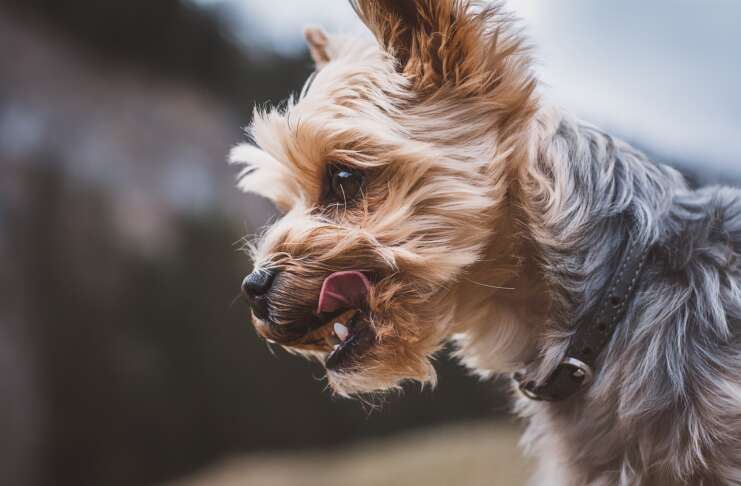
[666,404]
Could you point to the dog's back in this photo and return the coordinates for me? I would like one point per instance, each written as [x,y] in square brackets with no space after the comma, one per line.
[693,314]
[666,406]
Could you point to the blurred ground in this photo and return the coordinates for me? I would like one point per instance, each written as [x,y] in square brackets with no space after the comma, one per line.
[474,454]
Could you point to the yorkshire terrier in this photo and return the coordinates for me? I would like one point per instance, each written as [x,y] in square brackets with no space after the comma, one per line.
[431,195]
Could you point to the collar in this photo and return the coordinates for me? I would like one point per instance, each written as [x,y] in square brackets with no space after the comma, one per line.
[593,332]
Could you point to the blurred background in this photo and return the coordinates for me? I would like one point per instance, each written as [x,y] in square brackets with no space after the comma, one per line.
[125,356]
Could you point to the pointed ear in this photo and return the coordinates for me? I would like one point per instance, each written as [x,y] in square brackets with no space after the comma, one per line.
[471,47]
[442,41]
[318,43]
[393,22]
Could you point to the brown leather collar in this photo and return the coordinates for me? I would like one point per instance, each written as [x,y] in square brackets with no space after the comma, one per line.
[593,332]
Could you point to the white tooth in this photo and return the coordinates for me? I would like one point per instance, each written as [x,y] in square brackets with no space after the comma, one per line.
[336,347]
[341,331]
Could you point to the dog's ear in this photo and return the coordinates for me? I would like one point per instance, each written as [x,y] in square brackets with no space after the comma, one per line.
[433,41]
[474,48]
[318,43]
[393,22]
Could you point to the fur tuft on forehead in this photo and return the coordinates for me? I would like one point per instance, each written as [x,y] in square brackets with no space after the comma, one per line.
[352,102]
[463,87]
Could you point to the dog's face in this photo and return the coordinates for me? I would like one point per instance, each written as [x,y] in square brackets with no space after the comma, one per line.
[387,172]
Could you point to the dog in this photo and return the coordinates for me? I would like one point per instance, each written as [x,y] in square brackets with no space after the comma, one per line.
[430,194]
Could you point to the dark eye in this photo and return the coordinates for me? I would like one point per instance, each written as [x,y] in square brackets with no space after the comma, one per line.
[345,184]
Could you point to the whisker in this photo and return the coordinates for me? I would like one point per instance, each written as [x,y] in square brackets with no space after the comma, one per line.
[235,300]
[490,286]
[271,350]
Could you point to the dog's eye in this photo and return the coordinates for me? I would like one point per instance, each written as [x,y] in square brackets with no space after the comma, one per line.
[345,184]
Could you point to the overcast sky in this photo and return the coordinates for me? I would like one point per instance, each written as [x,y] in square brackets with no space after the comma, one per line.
[666,73]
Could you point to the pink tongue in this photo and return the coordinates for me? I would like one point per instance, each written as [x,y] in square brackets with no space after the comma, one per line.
[343,290]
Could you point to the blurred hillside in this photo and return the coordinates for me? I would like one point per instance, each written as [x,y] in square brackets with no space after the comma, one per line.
[126,358]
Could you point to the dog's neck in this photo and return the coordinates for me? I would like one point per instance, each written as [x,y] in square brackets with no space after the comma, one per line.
[503,302]
[555,245]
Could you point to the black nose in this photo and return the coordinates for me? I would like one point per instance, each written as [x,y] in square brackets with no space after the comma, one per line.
[258,283]
[255,288]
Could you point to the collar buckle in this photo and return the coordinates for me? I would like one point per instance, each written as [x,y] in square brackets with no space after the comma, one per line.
[593,331]
[568,378]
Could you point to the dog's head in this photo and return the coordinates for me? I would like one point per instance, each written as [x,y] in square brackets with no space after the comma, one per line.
[390,169]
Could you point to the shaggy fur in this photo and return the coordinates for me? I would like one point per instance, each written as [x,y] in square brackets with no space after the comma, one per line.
[493,220]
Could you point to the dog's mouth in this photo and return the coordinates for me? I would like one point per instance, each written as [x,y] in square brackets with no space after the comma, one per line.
[342,329]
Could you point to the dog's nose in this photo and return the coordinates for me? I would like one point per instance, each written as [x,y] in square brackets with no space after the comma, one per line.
[255,287]
[258,283]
